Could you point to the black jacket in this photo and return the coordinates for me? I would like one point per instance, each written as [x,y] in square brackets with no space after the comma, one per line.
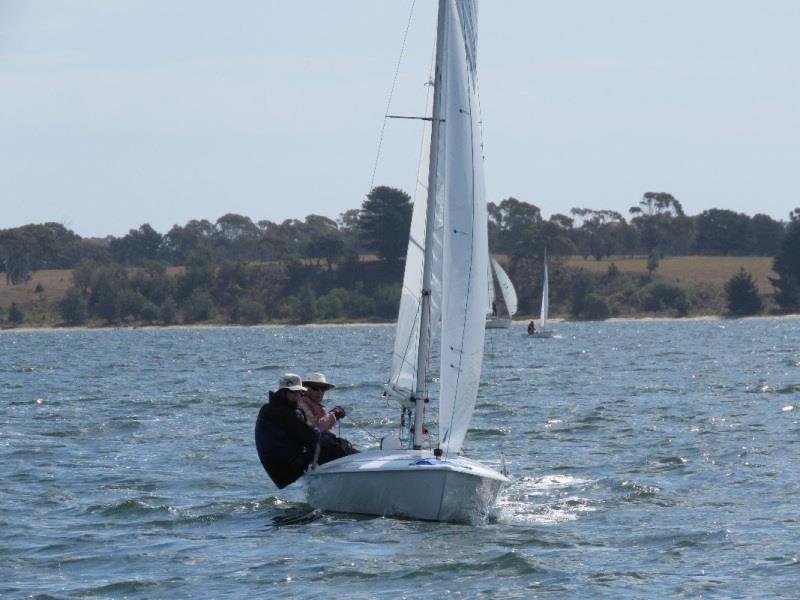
[284,442]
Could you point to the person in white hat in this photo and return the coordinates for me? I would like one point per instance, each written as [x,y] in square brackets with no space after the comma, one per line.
[284,442]
[311,404]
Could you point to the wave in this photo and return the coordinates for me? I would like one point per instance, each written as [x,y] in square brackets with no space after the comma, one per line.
[546,500]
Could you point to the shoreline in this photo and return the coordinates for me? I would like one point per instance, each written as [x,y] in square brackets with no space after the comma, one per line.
[520,322]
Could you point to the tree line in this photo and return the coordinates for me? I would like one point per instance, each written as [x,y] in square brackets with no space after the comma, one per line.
[351,268]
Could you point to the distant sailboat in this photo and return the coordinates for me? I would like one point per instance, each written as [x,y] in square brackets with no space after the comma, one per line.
[414,474]
[494,320]
[543,332]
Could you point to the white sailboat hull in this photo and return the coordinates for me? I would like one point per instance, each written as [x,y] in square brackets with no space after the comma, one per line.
[498,323]
[410,484]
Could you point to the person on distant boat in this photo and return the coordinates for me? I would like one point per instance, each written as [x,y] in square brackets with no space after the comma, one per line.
[311,404]
[285,442]
[531,328]
[494,308]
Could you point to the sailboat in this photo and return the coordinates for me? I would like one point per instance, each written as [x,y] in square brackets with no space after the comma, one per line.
[543,332]
[415,474]
[494,320]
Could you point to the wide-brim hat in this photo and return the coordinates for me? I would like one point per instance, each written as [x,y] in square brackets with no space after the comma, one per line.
[291,382]
[318,380]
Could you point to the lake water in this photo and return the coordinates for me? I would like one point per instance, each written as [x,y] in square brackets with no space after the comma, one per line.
[650,459]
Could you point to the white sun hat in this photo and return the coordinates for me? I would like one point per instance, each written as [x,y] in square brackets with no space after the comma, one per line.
[318,380]
[291,382]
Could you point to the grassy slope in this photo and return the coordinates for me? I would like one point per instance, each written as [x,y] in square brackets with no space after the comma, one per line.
[709,270]
[714,270]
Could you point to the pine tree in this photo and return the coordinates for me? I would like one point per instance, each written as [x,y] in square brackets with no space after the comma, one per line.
[742,292]
[787,266]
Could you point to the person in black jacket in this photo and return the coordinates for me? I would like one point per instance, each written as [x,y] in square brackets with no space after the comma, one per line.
[284,441]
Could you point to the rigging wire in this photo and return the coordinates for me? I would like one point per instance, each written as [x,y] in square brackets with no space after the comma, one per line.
[391,93]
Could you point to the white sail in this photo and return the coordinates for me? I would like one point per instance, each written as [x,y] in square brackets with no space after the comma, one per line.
[403,379]
[545,298]
[506,288]
[466,250]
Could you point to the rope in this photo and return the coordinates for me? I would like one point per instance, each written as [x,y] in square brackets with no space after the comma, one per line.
[391,94]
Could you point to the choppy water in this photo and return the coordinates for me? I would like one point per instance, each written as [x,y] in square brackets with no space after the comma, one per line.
[650,459]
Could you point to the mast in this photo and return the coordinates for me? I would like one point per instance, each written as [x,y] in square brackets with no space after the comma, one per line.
[423,351]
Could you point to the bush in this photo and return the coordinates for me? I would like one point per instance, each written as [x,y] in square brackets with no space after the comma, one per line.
[74,308]
[148,311]
[15,314]
[249,311]
[168,311]
[304,307]
[331,305]
[130,303]
[662,295]
[198,307]
[595,308]
[387,301]
[581,287]
[742,293]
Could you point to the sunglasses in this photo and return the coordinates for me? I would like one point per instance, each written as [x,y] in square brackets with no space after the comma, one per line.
[318,388]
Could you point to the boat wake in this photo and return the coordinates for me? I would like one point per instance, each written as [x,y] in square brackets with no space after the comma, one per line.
[547,500]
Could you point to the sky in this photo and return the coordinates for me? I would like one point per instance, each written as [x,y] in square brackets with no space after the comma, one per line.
[115,113]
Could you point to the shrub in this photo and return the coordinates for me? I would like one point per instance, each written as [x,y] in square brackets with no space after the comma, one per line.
[331,305]
[148,311]
[387,301]
[595,308]
[582,285]
[198,307]
[15,314]
[168,311]
[249,311]
[74,308]
[39,288]
[742,293]
[662,295]
[130,303]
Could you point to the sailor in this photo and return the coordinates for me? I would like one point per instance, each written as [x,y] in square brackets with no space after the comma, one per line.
[284,441]
[531,328]
[311,404]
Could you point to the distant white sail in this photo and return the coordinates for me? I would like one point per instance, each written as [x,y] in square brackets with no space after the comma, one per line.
[506,288]
[545,297]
